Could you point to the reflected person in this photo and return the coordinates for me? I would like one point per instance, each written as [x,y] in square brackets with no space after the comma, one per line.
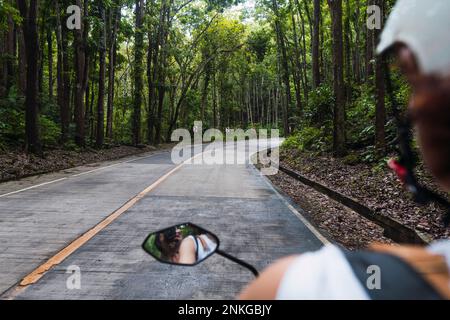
[168,242]
[195,248]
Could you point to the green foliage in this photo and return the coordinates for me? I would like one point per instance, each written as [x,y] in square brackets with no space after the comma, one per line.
[369,155]
[351,159]
[258,42]
[381,164]
[307,139]
[122,120]
[12,119]
[6,11]
[12,126]
[50,131]
[150,246]
[361,115]
[12,123]
[192,103]
[320,104]
[238,56]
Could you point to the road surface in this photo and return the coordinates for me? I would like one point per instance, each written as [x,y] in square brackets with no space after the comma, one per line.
[41,216]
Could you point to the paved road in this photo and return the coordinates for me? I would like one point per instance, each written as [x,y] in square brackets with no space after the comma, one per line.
[235,202]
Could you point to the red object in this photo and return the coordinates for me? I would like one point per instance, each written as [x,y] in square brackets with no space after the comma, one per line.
[400,170]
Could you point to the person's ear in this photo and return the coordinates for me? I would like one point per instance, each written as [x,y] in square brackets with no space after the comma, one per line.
[408,63]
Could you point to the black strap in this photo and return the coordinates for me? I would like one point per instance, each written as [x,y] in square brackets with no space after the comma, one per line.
[196,248]
[421,194]
[398,280]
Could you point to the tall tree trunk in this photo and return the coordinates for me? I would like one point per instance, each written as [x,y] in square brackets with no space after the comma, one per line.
[304,62]
[101,81]
[356,52]
[348,60]
[50,63]
[296,66]
[29,15]
[91,122]
[152,72]
[206,81]
[339,86]
[61,76]
[164,17]
[80,60]
[285,67]
[204,98]
[2,64]
[138,70]
[308,16]
[111,70]
[40,55]
[380,112]
[214,97]
[152,55]
[369,49]
[316,44]
[86,62]
[22,67]
[10,51]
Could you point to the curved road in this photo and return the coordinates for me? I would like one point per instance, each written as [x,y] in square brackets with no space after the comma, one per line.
[41,216]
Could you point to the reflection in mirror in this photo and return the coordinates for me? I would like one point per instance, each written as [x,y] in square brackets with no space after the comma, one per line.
[184,244]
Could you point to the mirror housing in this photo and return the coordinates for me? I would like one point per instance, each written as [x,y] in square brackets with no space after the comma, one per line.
[183,244]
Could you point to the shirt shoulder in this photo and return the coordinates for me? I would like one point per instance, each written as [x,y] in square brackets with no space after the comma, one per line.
[321,275]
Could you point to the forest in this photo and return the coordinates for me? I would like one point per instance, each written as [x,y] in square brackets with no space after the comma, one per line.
[85,82]
[130,72]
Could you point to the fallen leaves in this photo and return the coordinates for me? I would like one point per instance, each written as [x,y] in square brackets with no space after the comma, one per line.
[377,189]
[15,165]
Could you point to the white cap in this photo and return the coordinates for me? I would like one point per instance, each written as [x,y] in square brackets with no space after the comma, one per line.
[424,26]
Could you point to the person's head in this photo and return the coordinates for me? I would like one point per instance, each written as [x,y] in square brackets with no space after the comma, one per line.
[168,243]
[417,31]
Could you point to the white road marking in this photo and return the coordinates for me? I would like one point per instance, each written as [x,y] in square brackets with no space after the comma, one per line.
[32,187]
[306,222]
[76,175]
[299,215]
[59,257]
[311,228]
[95,170]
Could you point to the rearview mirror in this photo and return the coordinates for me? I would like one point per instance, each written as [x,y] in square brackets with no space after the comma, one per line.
[184,244]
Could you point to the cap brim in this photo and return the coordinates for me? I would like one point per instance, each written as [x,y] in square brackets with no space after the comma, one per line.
[384,45]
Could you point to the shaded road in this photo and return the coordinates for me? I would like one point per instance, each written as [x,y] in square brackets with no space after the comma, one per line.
[235,202]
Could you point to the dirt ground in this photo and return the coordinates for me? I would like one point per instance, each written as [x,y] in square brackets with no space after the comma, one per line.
[377,188]
[17,164]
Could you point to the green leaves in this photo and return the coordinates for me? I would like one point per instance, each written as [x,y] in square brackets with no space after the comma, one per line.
[6,11]
[258,43]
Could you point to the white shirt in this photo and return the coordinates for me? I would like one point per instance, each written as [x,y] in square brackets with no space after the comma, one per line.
[203,252]
[327,275]
[321,275]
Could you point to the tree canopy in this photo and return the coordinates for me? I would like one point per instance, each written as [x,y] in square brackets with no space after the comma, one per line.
[137,70]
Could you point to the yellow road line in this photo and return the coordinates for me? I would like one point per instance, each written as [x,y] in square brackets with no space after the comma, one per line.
[39,272]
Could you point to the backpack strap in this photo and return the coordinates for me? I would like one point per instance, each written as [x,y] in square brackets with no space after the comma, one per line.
[204,244]
[431,266]
[196,247]
[398,280]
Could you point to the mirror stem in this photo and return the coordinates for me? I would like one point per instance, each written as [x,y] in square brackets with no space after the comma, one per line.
[238,261]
